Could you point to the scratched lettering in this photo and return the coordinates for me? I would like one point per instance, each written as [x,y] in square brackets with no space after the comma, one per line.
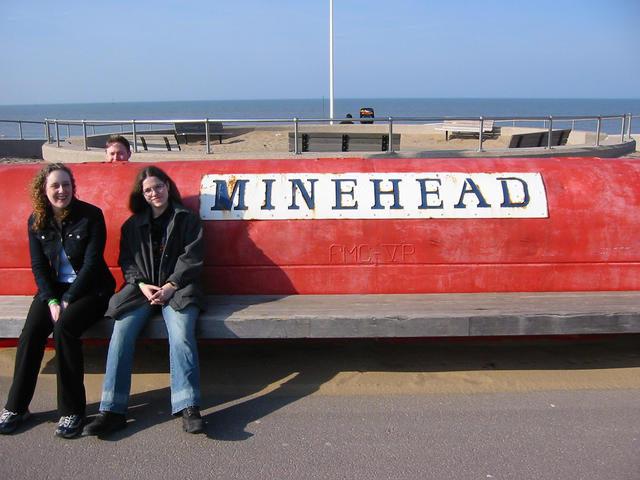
[363,253]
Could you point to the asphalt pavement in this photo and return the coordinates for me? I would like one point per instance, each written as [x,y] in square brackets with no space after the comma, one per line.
[504,409]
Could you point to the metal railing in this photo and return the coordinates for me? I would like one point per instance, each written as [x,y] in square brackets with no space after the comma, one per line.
[133,127]
[20,123]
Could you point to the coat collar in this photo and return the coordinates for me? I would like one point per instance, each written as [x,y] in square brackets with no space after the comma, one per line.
[143,219]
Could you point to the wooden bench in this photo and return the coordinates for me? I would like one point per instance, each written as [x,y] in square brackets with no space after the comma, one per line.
[465,127]
[539,139]
[184,130]
[398,275]
[343,142]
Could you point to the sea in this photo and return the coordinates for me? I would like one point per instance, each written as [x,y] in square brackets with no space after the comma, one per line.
[287,109]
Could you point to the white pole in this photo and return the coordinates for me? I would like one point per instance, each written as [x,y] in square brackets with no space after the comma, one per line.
[331,60]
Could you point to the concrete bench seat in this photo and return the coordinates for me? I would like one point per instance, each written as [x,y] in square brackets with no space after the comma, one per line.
[462,127]
[381,316]
[343,142]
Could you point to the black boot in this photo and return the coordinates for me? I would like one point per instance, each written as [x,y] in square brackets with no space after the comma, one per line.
[105,422]
[192,421]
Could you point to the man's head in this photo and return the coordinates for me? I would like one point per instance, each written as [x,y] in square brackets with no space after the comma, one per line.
[117,149]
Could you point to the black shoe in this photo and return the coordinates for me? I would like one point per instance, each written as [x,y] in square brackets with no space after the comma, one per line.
[69,426]
[105,422]
[192,421]
[9,421]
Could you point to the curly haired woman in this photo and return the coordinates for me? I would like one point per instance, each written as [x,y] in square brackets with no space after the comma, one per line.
[66,243]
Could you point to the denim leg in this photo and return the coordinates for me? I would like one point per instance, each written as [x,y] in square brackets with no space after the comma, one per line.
[117,378]
[183,357]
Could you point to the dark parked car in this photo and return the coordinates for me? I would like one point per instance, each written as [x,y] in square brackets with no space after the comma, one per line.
[366,115]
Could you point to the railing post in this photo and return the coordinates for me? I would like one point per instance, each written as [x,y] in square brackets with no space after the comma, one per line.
[550,132]
[84,133]
[206,134]
[68,130]
[390,144]
[135,136]
[20,130]
[624,124]
[598,131]
[57,134]
[480,135]
[47,133]
[296,150]
[629,126]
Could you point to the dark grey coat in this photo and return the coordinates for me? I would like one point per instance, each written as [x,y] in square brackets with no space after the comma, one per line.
[181,262]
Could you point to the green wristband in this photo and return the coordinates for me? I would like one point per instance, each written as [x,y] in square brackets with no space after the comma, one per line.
[52,301]
[141,284]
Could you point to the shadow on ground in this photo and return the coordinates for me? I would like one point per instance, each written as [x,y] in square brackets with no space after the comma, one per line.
[243,382]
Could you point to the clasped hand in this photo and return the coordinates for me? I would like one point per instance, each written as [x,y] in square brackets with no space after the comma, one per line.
[158,295]
[56,310]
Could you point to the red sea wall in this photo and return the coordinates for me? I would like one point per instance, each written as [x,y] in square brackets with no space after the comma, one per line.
[356,225]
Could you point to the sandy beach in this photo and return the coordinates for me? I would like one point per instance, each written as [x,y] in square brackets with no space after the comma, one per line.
[413,138]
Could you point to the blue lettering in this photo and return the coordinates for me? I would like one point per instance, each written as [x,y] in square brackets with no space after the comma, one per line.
[340,193]
[296,185]
[394,191]
[473,188]
[225,202]
[268,184]
[424,192]
[507,197]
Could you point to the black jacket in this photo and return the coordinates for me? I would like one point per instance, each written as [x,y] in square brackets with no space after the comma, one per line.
[83,236]
[181,262]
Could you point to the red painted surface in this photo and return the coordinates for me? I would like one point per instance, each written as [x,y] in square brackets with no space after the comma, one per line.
[589,242]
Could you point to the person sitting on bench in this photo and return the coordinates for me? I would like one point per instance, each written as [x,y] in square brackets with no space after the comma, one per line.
[161,256]
[66,242]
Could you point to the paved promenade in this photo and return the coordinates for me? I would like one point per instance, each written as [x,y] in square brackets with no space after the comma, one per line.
[509,409]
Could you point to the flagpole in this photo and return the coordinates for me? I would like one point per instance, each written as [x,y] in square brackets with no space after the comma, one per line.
[331,60]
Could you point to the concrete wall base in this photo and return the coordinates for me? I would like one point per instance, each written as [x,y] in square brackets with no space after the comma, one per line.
[21,148]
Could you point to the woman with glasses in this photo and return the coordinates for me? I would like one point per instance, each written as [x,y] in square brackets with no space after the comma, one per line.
[161,255]
[66,244]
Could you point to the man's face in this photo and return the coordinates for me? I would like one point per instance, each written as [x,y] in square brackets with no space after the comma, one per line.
[116,152]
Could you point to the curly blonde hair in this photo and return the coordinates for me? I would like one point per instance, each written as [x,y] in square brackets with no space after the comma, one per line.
[42,210]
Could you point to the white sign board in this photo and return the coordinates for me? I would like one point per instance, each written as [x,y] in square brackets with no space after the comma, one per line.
[358,195]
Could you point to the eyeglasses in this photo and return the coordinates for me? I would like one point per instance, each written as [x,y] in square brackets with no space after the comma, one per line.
[147,192]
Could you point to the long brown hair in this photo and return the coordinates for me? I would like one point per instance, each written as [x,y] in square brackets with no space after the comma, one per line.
[137,203]
[42,210]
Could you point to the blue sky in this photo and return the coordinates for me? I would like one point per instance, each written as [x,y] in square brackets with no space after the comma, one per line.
[149,50]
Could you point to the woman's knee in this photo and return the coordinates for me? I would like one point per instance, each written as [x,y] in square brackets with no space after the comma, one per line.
[33,334]
[124,332]
[181,332]
[69,325]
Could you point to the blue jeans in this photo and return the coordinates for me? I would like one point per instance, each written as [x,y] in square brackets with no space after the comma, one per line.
[183,358]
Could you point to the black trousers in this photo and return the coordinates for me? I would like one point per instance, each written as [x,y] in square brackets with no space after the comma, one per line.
[73,321]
